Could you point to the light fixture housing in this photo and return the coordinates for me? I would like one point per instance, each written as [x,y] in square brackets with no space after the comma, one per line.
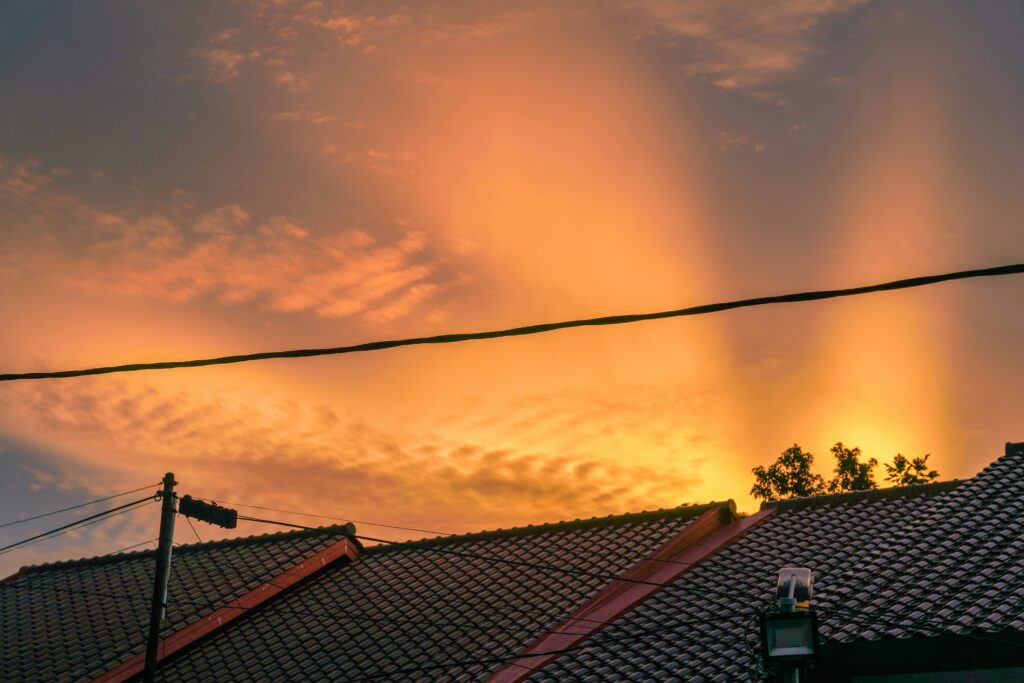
[790,638]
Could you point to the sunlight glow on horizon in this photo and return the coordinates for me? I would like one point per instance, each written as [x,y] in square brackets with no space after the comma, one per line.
[291,174]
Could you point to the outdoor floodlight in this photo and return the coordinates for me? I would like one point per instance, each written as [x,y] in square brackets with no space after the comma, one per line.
[789,638]
[789,634]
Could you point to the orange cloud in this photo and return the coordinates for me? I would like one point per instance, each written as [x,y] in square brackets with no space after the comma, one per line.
[314,117]
[220,65]
[234,443]
[741,45]
[182,254]
[739,140]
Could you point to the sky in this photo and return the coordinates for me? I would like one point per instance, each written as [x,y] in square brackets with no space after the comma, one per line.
[193,179]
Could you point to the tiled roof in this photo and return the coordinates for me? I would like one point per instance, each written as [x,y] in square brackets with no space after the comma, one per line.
[923,560]
[407,605]
[889,565]
[71,621]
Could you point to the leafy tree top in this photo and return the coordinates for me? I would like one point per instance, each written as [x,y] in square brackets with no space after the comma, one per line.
[851,474]
[906,472]
[788,477]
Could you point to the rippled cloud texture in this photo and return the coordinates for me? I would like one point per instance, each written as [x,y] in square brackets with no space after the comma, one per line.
[204,179]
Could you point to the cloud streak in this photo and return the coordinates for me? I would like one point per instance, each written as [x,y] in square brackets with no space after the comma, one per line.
[235,444]
[741,45]
[181,254]
[733,44]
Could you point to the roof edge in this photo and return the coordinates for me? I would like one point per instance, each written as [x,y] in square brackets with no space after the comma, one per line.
[343,550]
[857,496]
[681,512]
[696,542]
[347,530]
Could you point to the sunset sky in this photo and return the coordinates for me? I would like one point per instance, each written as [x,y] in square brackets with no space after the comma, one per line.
[192,179]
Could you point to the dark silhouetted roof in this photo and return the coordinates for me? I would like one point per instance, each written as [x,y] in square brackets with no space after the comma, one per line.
[933,560]
[405,605]
[71,621]
[893,563]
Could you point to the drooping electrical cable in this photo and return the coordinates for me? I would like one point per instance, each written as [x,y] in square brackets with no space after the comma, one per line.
[426,547]
[75,507]
[531,329]
[335,519]
[76,523]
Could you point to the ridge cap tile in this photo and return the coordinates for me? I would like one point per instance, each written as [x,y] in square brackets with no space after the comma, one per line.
[887,493]
[347,529]
[684,511]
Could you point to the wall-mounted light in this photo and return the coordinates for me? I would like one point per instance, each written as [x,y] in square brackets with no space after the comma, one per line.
[789,634]
[790,637]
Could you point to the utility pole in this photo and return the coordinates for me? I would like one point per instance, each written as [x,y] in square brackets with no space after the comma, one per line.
[163,572]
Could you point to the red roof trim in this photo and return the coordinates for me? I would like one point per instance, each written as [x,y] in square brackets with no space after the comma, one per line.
[341,550]
[694,543]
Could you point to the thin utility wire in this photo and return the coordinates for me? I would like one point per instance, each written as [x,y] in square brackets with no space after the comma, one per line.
[121,550]
[532,329]
[600,640]
[80,522]
[936,628]
[348,616]
[419,545]
[336,519]
[393,526]
[650,558]
[595,642]
[342,619]
[348,619]
[75,507]
[190,526]
[517,563]
[77,528]
[546,614]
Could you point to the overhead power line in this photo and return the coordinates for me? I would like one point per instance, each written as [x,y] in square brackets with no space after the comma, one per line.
[421,546]
[531,329]
[75,507]
[130,547]
[473,556]
[349,619]
[99,520]
[336,519]
[389,526]
[80,522]
[596,642]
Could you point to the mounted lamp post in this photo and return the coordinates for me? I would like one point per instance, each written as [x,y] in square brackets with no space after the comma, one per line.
[789,633]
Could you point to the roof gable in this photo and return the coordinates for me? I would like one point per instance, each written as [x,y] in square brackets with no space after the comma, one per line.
[698,639]
[75,620]
[405,607]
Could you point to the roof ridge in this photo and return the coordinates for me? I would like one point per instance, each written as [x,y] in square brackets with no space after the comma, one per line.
[682,511]
[346,529]
[911,491]
[1010,450]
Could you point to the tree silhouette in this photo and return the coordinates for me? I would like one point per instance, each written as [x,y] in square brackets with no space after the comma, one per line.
[906,472]
[851,474]
[788,477]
